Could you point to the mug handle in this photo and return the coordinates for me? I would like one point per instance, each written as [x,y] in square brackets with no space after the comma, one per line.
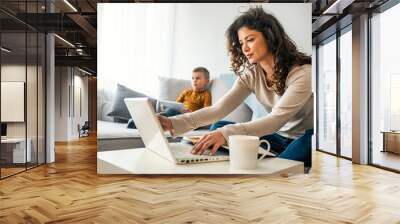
[267,150]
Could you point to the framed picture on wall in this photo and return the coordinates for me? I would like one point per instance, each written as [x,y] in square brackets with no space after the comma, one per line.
[12,101]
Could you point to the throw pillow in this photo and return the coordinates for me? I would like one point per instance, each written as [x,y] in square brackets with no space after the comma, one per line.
[119,111]
[131,124]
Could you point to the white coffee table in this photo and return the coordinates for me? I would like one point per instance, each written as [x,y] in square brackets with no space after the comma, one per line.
[143,161]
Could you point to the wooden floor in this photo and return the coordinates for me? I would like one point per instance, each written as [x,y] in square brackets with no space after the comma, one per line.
[10,171]
[70,191]
[387,159]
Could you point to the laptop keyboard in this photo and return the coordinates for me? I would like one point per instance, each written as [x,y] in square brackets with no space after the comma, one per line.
[182,152]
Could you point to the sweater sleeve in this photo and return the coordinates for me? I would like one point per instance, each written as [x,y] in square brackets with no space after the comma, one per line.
[207,99]
[181,97]
[208,115]
[298,92]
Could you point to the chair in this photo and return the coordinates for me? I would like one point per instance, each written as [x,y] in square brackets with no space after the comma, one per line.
[84,130]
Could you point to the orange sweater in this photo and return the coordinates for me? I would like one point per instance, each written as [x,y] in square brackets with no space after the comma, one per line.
[193,100]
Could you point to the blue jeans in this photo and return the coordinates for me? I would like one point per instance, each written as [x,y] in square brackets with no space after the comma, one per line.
[170,112]
[295,149]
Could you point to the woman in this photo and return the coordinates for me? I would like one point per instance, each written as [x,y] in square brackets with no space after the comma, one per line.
[270,66]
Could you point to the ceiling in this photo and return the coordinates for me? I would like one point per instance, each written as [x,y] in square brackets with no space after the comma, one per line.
[76,22]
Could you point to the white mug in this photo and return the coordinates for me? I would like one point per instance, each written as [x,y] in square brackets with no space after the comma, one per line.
[243,150]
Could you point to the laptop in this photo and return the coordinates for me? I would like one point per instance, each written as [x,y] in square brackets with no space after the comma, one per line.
[153,137]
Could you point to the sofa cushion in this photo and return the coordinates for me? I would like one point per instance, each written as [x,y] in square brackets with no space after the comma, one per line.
[103,110]
[119,110]
[256,107]
[170,88]
[115,136]
[104,104]
[112,130]
[220,86]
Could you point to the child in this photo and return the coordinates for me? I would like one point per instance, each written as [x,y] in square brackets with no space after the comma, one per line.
[195,98]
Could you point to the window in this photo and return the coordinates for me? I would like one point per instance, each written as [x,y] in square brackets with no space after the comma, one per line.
[22,65]
[346,93]
[394,104]
[327,96]
[385,87]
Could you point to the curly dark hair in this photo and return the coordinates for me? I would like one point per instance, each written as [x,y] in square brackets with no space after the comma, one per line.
[283,49]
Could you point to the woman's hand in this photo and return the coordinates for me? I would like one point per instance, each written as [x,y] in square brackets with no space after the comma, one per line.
[215,139]
[166,123]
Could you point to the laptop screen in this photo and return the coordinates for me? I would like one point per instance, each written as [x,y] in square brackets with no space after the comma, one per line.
[149,126]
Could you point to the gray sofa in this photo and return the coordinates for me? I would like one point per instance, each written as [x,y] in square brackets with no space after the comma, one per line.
[113,136]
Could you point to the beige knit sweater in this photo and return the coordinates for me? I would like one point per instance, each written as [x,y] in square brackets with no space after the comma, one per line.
[289,115]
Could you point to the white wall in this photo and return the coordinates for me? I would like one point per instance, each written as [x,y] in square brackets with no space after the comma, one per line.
[62,81]
[33,126]
[134,46]
[200,33]
[80,83]
[66,119]
[12,73]
[200,38]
